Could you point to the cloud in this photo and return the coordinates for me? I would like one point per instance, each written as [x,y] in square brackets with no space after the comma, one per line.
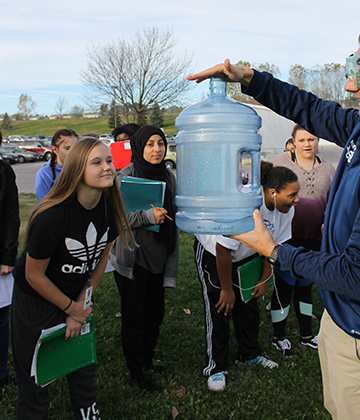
[43,44]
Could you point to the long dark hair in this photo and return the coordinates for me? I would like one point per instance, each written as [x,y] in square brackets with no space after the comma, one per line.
[57,139]
[277,177]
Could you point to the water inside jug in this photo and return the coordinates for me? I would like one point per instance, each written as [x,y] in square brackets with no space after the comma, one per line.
[218,164]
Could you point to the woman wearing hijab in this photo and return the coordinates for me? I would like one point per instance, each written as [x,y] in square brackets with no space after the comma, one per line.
[143,272]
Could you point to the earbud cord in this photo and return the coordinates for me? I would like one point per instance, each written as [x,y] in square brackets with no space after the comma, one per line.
[276,291]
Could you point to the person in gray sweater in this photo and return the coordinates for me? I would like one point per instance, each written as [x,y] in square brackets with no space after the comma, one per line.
[315,175]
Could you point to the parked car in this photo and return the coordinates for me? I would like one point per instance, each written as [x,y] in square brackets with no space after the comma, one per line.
[17,138]
[9,157]
[170,158]
[107,142]
[38,137]
[106,137]
[37,147]
[46,142]
[24,155]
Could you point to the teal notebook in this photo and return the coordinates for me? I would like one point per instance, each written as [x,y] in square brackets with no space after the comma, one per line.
[249,275]
[55,357]
[139,193]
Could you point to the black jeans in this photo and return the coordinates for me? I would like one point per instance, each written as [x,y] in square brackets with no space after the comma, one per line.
[142,313]
[30,314]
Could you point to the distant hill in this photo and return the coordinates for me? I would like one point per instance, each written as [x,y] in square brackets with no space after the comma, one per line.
[80,125]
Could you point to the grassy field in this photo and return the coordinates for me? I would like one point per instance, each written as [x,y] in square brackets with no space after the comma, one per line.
[80,125]
[293,391]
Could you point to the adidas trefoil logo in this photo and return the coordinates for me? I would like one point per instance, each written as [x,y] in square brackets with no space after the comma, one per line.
[78,250]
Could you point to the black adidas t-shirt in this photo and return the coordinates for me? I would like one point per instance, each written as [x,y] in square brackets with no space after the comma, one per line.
[73,238]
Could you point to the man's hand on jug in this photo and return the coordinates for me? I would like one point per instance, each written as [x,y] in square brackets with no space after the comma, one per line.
[232,72]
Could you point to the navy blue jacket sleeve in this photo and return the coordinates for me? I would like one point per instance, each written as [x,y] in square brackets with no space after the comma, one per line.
[325,119]
[335,273]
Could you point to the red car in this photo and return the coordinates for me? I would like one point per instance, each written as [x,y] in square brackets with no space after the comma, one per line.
[37,147]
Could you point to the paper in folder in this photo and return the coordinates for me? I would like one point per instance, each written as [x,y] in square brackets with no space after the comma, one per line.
[55,357]
[249,275]
[139,193]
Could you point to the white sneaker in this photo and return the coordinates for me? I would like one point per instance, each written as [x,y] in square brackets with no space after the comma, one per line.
[217,382]
[263,361]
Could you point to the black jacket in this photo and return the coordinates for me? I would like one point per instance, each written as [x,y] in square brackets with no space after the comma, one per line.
[9,215]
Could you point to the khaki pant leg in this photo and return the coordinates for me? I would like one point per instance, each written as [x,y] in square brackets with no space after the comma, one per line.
[340,367]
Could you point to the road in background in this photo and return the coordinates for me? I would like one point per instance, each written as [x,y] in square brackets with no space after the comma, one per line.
[25,175]
[25,172]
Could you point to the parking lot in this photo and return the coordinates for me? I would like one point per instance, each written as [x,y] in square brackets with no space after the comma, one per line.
[25,175]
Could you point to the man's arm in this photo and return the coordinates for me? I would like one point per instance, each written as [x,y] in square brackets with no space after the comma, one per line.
[232,72]
[224,269]
[325,119]
[339,273]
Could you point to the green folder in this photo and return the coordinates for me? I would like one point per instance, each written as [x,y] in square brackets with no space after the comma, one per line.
[249,275]
[55,357]
[139,193]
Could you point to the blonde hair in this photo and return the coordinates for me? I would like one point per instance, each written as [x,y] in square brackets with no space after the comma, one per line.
[67,183]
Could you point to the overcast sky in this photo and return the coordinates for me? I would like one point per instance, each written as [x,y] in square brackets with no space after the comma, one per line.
[43,43]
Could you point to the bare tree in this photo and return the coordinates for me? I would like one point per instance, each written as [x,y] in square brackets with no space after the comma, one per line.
[137,73]
[234,89]
[60,106]
[298,76]
[327,81]
[26,105]
[77,111]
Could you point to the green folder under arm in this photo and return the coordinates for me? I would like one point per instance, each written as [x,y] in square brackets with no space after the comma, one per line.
[55,357]
[249,275]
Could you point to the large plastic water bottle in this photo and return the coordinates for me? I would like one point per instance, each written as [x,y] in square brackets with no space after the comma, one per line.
[218,141]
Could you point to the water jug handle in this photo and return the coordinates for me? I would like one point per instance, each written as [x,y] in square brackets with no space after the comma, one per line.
[249,176]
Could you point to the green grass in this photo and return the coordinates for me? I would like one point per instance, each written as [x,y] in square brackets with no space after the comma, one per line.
[293,391]
[80,125]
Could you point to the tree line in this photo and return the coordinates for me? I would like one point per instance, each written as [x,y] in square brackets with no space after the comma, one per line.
[137,80]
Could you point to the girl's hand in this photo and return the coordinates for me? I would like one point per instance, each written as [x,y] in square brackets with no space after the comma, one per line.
[159,215]
[77,312]
[5,269]
[73,328]
[260,289]
[226,301]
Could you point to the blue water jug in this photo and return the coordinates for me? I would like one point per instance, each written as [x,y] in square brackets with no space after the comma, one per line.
[218,140]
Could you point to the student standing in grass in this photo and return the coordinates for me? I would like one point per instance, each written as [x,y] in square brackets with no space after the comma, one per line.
[142,274]
[335,269]
[47,175]
[315,176]
[68,240]
[9,231]
[218,259]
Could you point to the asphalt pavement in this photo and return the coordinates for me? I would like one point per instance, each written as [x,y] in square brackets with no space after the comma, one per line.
[25,172]
[25,175]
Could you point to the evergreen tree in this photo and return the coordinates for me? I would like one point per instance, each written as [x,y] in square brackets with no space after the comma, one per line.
[142,118]
[156,116]
[6,123]
[111,120]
